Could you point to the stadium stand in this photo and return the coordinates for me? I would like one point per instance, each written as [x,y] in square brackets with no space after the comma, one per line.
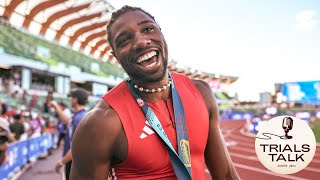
[23,44]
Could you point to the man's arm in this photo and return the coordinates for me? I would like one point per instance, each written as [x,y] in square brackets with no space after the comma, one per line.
[3,149]
[93,144]
[217,156]
[65,159]
[59,111]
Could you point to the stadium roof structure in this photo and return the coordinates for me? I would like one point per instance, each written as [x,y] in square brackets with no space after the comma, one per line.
[197,74]
[79,24]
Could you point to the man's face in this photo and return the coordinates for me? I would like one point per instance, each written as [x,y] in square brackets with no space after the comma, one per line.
[2,130]
[3,140]
[140,47]
[73,102]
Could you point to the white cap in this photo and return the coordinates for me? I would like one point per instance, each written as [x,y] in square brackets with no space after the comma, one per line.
[4,124]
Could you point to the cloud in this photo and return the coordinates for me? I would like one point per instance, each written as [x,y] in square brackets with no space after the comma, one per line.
[306,19]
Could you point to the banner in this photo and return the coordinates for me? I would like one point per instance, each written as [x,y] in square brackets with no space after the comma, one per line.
[18,154]
[303,92]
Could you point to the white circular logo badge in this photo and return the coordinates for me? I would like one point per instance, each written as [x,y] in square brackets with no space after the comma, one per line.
[285,144]
[140,102]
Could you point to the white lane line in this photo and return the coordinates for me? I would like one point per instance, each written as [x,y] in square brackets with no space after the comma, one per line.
[267,172]
[227,131]
[251,140]
[254,158]
[317,154]
[250,147]
[314,160]
[242,149]
[231,143]
[241,143]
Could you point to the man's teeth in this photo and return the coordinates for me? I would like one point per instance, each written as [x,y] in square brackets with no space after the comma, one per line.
[150,65]
[146,56]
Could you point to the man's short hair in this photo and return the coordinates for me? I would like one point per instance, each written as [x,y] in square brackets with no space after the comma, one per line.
[17,117]
[81,95]
[3,137]
[116,14]
[4,108]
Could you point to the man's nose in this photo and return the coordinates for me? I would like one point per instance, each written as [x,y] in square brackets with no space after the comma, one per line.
[141,42]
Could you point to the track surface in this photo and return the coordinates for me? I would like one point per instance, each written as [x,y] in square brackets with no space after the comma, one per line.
[241,149]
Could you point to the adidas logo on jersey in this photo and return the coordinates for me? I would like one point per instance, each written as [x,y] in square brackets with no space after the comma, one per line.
[147,130]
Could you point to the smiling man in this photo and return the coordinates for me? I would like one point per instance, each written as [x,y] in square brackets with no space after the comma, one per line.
[157,124]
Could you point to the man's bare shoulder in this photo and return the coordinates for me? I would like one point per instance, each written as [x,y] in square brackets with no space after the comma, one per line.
[101,122]
[204,90]
[94,141]
[207,95]
[102,115]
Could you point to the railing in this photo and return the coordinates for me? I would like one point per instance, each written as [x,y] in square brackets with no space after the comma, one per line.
[20,153]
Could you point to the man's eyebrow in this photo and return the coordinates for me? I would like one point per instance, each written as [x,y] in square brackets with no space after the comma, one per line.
[145,21]
[140,23]
[119,35]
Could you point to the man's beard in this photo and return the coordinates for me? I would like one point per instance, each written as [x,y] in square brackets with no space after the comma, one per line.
[145,79]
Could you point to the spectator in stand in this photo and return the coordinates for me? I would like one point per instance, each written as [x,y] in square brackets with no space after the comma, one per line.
[4,139]
[5,129]
[26,120]
[62,127]
[37,124]
[79,98]
[17,128]
[9,113]
[3,147]
[34,101]
[6,85]
[24,97]
[16,90]
[3,110]
[49,98]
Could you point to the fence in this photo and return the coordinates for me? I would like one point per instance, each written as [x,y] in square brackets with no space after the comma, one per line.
[20,153]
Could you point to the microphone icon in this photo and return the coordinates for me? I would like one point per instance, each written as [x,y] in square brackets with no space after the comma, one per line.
[287,124]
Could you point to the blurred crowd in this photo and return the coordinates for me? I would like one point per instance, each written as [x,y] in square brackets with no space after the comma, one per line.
[27,120]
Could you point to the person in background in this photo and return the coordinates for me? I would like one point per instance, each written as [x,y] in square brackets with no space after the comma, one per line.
[5,137]
[24,97]
[79,98]
[34,101]
[3,110]
[27,123]
[37,124]
[46,108]
[17,128]
[61,125]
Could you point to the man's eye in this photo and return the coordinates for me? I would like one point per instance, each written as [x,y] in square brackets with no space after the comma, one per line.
[148,29]
[123,41]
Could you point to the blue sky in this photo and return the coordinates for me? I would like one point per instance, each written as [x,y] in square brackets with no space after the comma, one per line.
[262,42]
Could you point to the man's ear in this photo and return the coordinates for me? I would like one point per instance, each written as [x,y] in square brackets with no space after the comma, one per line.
[112,53]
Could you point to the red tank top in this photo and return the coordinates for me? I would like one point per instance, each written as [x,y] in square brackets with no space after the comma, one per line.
[148,156]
